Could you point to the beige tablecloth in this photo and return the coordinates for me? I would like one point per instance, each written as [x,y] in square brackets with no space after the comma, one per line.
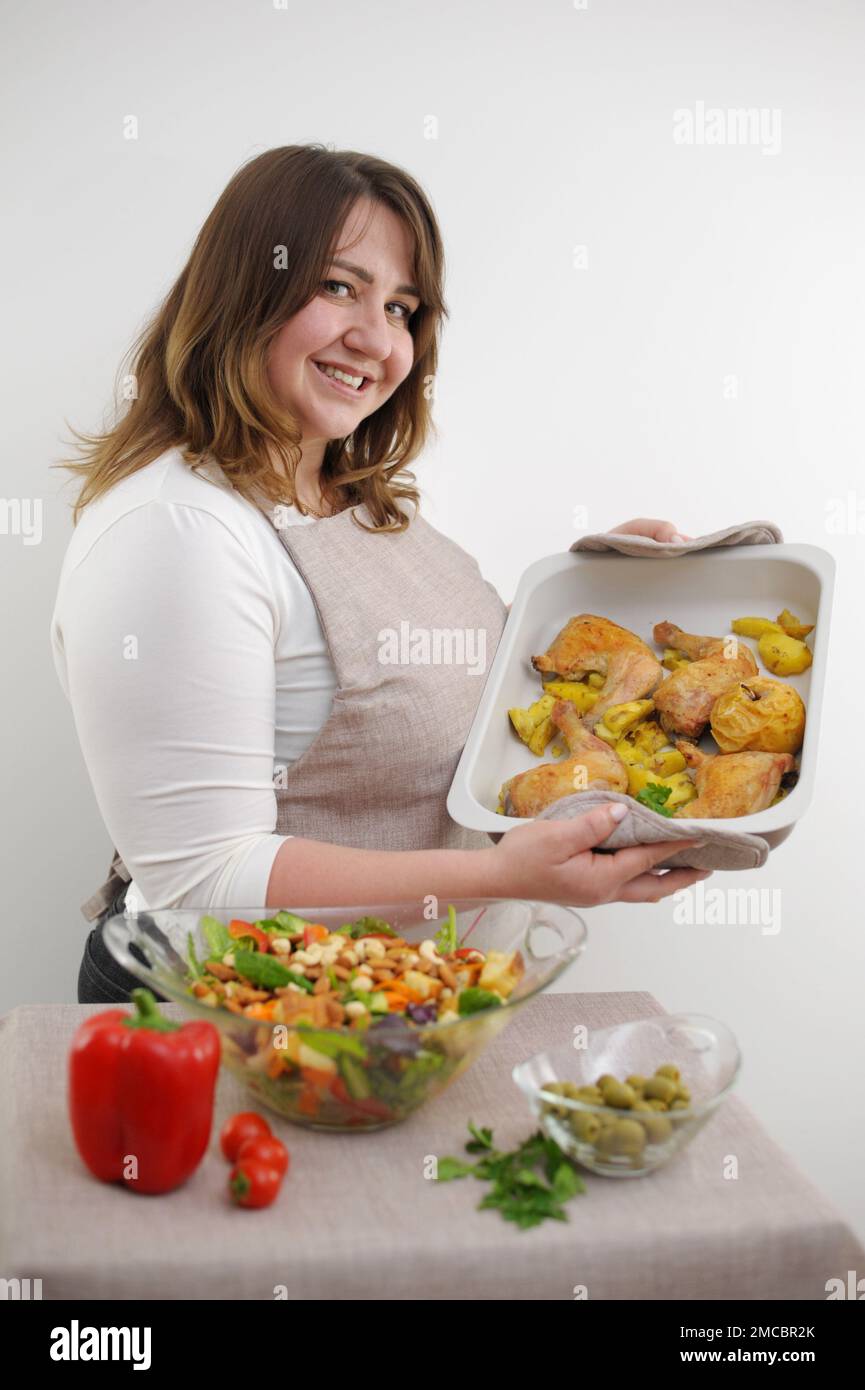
[357,1219]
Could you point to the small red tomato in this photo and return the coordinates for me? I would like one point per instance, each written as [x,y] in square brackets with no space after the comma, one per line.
[268,1149]
[254,1183]
[246,1125]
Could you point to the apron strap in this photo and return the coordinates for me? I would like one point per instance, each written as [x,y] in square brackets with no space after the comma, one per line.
[100,901]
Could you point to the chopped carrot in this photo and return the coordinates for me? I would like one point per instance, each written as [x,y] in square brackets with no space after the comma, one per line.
[262,1011]
[396,1003]
[275,1065]
[404,992]
[316,1076]
[314,932]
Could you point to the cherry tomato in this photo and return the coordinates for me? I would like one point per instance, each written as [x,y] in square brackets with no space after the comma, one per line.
[245,1125]
[268,1149]
[254,1183]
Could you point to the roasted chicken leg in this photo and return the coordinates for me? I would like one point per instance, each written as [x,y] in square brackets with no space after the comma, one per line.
[593,764]
[588,643]
[684,700]
[731,784]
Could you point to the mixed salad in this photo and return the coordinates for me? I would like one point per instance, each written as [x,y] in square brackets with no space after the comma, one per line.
[356,1005]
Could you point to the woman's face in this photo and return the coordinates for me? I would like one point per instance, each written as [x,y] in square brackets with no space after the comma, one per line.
[359,321]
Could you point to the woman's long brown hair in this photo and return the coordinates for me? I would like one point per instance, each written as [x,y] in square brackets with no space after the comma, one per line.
[197,377]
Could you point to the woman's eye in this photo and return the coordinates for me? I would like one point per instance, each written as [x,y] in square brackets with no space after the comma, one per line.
[341,284]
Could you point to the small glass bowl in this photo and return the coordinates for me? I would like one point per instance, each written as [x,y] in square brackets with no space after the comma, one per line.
[704,1050]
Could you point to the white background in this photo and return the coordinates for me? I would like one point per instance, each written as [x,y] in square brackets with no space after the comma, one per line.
[560,387]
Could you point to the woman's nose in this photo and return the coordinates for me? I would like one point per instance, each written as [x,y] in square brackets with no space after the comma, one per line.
[370,333]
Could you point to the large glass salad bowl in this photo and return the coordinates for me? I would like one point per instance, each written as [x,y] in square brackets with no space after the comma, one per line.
[400,1041]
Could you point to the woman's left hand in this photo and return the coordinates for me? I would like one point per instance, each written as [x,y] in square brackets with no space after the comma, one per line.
[651,527]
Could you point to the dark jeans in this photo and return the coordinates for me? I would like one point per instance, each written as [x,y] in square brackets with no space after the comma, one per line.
[102,979]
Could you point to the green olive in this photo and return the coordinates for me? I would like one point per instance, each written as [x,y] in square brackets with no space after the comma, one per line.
[591,1094]
[549,1107]
[603,1080]
[623,1137]
[669,1070]
[657,1127]
[660,1088]
[619,1095]
[682,1093]
[658,1105]
[642,1105]
[679,1105]
[585,1126]
[635,1080]
[571,1089]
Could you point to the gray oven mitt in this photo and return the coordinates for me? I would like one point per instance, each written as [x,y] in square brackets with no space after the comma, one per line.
[748,533]
[722,849]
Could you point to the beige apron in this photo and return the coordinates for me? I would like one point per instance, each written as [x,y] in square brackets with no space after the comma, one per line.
[412,628]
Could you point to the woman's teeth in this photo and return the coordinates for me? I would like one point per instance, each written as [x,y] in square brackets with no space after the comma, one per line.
[355,381]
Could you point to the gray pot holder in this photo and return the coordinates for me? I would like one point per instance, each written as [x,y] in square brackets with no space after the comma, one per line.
[720,849]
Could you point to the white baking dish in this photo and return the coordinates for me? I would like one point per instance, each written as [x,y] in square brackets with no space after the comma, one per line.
[701,592]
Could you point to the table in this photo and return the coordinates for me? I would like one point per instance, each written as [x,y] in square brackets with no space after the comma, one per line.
[357,1218]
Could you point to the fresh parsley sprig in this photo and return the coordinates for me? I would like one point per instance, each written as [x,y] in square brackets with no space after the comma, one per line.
[519,1191]
[654,795]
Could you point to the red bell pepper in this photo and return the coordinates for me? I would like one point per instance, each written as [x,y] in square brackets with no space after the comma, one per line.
[239,929]
[141,1095]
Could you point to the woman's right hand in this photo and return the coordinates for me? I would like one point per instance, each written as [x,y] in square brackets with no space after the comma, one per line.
[552,861]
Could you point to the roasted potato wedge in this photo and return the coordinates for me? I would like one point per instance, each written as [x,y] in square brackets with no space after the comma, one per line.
[534,725]
[793,626]
[783,655]
[682,789]
[619,719]
[754,627]
[650,737]
[666,762]
[642,742]
[581,695]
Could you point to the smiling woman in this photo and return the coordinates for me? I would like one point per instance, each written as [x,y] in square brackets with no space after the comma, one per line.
[244,534]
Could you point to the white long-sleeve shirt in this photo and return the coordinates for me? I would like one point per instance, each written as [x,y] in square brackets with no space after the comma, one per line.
[191,652]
